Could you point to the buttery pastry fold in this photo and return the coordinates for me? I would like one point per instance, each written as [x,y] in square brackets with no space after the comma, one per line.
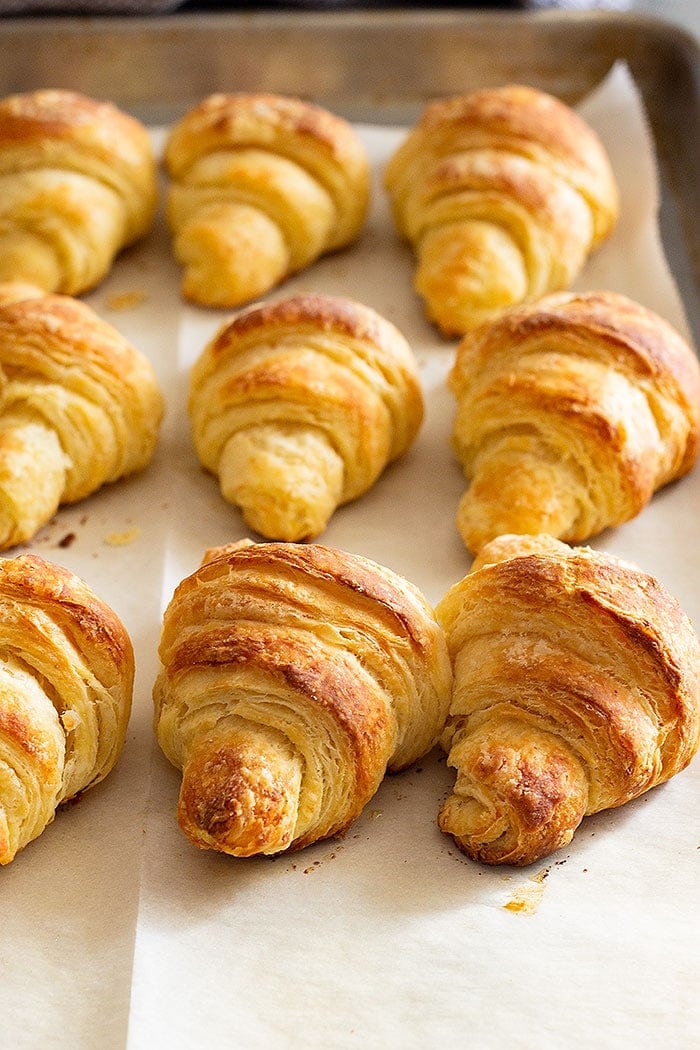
[66,679]
[297,406]
[292,678]
[571,413]
[79,407]
[261,186]
[575,690]
[77,185]
[503,194]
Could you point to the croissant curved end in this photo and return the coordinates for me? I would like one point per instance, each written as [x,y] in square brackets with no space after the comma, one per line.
[232,253]
[468,273]
[24,254]
[32,477]
[240,792]
[287,480]
[517,798]
[516,494]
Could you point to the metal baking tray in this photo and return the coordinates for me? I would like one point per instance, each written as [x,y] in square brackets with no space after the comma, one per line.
[382,66]
[78,966]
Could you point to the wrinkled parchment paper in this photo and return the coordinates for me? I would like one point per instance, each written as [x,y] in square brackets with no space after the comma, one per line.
[116,932]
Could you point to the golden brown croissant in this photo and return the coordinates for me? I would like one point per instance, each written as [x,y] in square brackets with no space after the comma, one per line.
[503,194]
[292,677]
[77,184]
[66,677]
[575,690]
[262,185]
[571,413]
[79,407]
[298,406]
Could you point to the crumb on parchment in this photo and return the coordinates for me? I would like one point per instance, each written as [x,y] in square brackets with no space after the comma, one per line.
[527,899]
[529,895]
[125,300]
[122,539]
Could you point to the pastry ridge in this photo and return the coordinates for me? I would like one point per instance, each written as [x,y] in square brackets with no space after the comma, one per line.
[77,185]
[79,407]
[503,194]
[297,406]
[571,413]
[66,682]
[261,186]
[291,679]
[575,690]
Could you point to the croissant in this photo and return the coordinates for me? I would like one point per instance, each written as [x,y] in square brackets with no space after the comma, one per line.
[575,690]
[298,406]
[262,185]
[66,679]
[571,413]
[77,185]
[79,407]
[503,193]
[292,678]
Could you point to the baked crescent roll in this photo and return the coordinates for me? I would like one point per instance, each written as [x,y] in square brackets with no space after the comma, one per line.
[299,405]
[503,194]
[66,679]
[79,407]
[575,690]
[571,413]
[262,185]
[77,185]
[292,678]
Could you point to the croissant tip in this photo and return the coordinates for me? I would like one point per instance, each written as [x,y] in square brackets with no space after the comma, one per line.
[235,801]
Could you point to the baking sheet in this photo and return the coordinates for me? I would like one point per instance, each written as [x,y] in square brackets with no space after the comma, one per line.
[116,932]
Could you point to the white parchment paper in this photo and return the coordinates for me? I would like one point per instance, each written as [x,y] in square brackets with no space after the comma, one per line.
[116,932]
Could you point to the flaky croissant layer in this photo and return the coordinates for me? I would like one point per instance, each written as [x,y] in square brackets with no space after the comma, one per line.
[66,679]
[261,186]
[575,690]
[79,407]
[77,185]
[503,194]
[297,406]
[571,413]
[292,678]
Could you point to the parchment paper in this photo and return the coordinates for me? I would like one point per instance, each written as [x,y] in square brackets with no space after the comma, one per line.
[116,932]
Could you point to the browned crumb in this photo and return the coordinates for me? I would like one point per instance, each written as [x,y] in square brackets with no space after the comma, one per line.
[527,899]
[125,300]
[122,539]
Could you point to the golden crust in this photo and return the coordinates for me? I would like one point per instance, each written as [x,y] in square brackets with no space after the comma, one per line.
[78,184]
[16,291]
[533,120]
[576,689]
[79,407]
[253,119]
[571,413]
[503,194]
[67,115]
[74,607]
[299,405]
[292,678]
[262,185]
[343,317]
[66,680]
